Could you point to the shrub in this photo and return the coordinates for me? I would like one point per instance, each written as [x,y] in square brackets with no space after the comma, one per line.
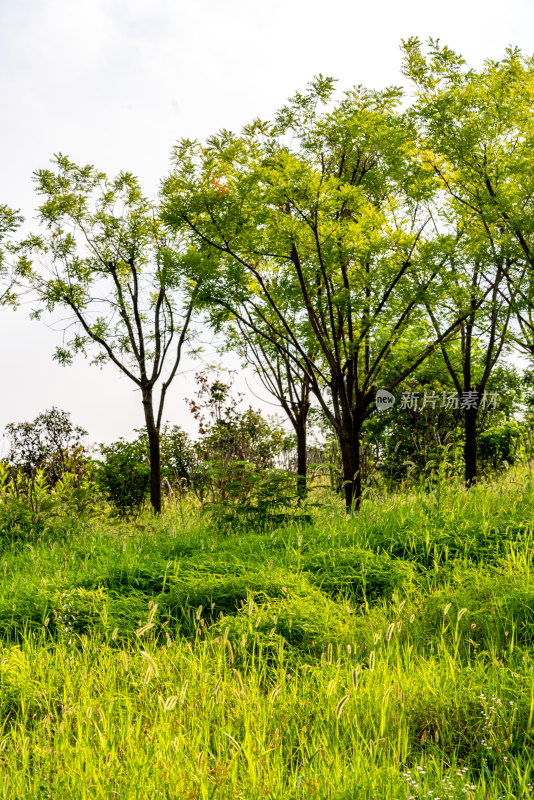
[503,444]
[251,498]
[123,475]
[30,506]
[178,459]
[229,439]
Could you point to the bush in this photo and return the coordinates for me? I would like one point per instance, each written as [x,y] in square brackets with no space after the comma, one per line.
[30,506]
[251,498]
[178,459]
[123,475]
[230,438]
[504,445]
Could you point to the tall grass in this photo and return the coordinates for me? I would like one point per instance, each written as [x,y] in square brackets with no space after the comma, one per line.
[387,655]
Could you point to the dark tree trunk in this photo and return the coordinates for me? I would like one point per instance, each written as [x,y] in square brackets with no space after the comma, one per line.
[470,446]
[154,449]
[349,442]
[301,418]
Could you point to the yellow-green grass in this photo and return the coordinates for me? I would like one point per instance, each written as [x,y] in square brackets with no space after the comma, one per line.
[385,655]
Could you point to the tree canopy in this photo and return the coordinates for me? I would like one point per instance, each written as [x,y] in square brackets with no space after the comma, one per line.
[320,224]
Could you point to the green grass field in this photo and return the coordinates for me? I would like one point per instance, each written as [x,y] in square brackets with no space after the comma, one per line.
[388,655]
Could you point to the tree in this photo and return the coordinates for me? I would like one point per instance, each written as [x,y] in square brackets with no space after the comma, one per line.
[477,136]
[471,358]
[106,258]
[426,426]
[228,433]
[50,443]
[318,225]
[422,433]
[282,378]
[9,222]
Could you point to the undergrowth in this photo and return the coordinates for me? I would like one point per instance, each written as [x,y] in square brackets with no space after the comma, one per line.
[387,655]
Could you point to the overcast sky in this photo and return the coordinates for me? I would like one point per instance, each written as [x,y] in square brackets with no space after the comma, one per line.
[116,82]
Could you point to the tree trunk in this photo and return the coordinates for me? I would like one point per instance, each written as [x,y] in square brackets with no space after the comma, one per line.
[302,467]
[470,446]
[154,449]
[349,441]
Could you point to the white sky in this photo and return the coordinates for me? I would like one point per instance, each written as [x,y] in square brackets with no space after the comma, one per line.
[116,82]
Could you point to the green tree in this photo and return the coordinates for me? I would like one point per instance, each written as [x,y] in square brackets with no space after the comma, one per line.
[426,424]
[476,136]
[9,222]
[318,224]
[50,443]
[472,356]
[106,258]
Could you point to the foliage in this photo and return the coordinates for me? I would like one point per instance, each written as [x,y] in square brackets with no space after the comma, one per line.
[317,224]
[423,431]
[51,443]
[47,475]
[247,498]
[211,467]
[123,475]
[230,438]
[9,222]
[412,441]
[178,458]
[503,445]
[30,506]
[475,135]
[246,436]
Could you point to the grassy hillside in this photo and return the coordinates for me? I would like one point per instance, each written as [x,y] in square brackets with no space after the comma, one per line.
[389,655]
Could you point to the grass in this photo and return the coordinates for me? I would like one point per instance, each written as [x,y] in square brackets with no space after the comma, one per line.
[388,655]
